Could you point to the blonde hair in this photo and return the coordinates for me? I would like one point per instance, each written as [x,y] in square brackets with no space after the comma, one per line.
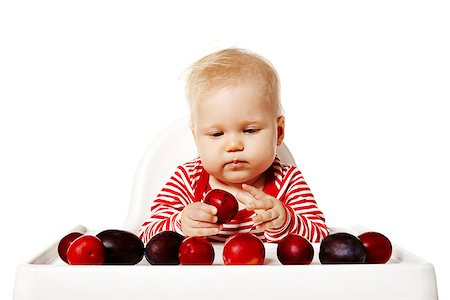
[231,66]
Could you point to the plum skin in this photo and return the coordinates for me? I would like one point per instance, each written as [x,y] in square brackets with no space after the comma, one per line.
[86,250]
[295,250]
[226,204]
[64,244]
[378,247]
[243,249]
[121,247]
[163,248]
[341,248]
[196,250]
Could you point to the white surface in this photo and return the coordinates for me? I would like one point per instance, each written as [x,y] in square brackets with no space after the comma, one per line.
[404,276]
[86,85]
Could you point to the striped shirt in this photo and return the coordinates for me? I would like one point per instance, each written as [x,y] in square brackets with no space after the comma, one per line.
[189,184]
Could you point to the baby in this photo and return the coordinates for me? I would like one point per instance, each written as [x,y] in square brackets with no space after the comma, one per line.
[237,123]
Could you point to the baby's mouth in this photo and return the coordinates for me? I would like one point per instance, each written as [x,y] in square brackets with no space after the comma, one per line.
[235,164]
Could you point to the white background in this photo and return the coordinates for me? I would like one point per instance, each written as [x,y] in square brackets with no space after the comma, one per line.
[86,85]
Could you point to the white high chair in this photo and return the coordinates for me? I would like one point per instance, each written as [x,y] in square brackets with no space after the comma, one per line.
[174,146]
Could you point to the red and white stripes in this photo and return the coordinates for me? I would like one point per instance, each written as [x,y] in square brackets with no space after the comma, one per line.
[303,215]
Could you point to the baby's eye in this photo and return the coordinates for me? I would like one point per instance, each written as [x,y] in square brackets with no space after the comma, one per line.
[216,134]
[251,130]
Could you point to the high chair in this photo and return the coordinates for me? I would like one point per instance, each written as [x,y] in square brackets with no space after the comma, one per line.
[46,276]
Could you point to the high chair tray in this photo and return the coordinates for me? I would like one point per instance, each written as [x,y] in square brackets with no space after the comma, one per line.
[404,276]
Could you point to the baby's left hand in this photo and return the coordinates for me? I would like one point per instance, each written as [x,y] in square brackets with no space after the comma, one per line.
[270,212]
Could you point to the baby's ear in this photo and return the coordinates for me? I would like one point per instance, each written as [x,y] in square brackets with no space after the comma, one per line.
[280,130]
[192,127]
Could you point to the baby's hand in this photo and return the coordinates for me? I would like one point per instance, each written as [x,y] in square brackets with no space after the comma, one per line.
[270,212]
[199,219]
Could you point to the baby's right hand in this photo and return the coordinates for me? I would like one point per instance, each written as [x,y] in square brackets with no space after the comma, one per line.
[199,219]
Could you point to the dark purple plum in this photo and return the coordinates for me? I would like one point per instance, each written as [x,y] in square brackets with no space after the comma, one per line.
[121,247]
[341,248]
[162,249]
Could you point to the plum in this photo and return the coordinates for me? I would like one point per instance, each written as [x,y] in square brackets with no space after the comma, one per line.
[295,250]
[64,244]
[226,204]
[196,250]
[341,248]
[243,249]
[86,250]
[162,249]
[121,247]
[378,247]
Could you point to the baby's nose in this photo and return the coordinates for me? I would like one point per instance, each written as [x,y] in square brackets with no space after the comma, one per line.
[234,145]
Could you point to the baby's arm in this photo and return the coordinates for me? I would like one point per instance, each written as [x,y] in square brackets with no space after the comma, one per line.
[165,211]
[298,213]
[304,216]
[175,209]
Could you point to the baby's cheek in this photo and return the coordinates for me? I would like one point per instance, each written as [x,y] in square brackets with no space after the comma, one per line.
[211,167]
[264,152]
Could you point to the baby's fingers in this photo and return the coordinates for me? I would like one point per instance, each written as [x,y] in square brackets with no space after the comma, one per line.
[196,228]
[267,219]
[264,204]
[245,198]
[203,216]
[202,212]
[267,225]
[253,191]
[211,209]
[265,216]
[207,231]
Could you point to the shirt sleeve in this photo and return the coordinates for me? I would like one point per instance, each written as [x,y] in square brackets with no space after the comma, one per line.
[165,211]
[303,216]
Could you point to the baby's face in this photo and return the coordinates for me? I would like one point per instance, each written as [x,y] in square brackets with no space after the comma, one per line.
[236,132]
